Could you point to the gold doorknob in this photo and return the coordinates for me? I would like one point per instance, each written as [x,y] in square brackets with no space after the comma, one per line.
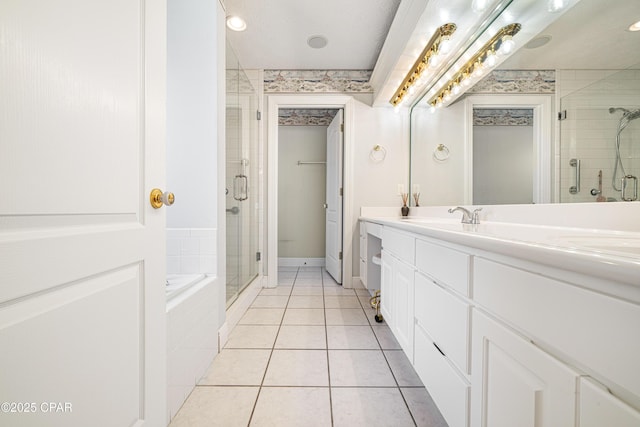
[158,198]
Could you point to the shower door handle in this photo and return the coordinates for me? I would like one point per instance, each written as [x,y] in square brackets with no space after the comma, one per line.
[240,188]
[576,164]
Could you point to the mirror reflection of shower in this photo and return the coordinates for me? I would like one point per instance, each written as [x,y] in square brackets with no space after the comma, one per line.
[622,181]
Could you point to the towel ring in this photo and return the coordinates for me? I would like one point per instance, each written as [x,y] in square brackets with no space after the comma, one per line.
[441,153]
[378,153]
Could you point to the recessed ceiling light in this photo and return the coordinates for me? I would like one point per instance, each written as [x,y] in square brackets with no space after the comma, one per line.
[635,26]
[236,23]
[538,42]
[317,42]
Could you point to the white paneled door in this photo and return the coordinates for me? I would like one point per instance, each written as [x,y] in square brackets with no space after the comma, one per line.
[82,305]
[333,206]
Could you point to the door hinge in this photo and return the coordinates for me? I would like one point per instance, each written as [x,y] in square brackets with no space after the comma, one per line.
[340,255]
[341,191]
[258,115]
[258,256]
[341,127]
[562,115]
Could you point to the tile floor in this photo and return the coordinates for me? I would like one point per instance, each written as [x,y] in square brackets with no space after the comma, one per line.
[309,353]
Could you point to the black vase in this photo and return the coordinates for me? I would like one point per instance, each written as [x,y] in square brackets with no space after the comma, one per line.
[404,210]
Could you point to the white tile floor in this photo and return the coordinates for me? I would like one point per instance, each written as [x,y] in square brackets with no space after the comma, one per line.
[309,353]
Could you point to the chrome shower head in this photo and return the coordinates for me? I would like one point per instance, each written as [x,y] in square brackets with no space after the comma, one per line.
[613,110]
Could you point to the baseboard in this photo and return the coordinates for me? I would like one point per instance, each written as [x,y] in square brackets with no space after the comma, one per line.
[301,262]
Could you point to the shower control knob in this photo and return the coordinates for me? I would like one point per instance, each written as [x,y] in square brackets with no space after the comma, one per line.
[158,198]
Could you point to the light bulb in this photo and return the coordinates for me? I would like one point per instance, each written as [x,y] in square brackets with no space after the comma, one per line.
[456,88]
[434,60]
[236,23]
[507,45]
[438,102]
[479,5]
[432,109]
[445,45]
[490,60]
[412,90]
[478,69]
[555,5]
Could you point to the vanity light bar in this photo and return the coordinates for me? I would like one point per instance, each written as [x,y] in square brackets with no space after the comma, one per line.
[501,42]
[431,50]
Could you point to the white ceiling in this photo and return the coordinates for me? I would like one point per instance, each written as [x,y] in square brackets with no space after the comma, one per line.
[591,35]
[277,33]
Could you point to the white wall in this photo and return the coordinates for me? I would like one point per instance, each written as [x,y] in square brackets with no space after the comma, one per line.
[195,108]
[441,183]
[192,93]
[376,184]
[301,191]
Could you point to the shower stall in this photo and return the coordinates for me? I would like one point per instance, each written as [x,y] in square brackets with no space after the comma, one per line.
[600,139]
[241,179]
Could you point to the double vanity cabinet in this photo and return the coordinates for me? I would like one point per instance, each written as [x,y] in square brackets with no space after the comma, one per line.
[507,340]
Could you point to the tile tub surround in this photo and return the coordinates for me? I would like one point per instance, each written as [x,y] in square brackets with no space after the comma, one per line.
[327,364]
[191,250]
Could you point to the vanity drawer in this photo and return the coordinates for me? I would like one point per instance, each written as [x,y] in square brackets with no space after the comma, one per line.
[402,245]
[593,329]
[448,389]
[446,318]
[446,266]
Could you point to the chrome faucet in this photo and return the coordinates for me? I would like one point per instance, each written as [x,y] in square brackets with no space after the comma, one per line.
[467,217]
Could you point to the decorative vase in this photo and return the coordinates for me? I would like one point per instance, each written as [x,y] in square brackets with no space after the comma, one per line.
[404,210]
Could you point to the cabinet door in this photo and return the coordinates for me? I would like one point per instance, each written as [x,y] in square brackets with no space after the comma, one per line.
[403,299]
[515,383]
[386,286]
[599,408]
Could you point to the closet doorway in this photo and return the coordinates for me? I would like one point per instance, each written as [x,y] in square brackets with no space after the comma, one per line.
[290,193]
[310,153]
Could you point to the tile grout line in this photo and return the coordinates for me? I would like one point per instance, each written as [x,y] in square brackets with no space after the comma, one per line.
[273,346]
[326,336]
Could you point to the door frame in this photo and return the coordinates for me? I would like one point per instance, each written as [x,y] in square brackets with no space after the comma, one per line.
[275,102]
[541,106]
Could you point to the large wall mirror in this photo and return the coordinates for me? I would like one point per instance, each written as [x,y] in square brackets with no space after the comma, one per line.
[557,121]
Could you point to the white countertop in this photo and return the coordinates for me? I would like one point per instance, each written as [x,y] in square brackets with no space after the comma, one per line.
[606,254]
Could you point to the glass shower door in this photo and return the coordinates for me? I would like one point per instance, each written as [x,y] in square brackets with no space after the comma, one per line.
[241,180]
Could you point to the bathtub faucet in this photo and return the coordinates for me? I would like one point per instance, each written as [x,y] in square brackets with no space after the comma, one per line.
[467,217]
